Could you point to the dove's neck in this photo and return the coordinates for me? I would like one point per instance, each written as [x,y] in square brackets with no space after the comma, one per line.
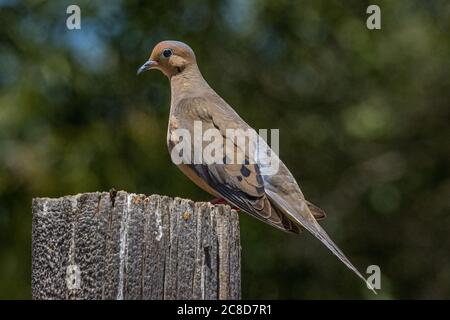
[189,83]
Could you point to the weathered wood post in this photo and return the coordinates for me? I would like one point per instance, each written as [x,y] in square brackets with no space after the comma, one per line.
[128,246]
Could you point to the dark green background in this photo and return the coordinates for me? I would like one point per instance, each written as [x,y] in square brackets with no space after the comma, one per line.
[363,118]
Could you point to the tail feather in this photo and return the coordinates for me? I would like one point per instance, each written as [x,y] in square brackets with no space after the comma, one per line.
[310,224]
[320,234]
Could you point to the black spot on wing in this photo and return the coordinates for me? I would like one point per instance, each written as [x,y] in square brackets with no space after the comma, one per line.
[244,170]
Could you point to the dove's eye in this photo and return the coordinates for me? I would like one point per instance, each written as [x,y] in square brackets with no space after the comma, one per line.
[167,53]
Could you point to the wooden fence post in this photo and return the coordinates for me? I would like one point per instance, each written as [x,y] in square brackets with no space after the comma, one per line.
[128,246]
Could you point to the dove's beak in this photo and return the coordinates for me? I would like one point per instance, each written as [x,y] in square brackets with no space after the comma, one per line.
[150,64]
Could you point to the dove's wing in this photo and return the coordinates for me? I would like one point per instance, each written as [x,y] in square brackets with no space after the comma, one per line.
[276,198]
[241,185]
[226,181]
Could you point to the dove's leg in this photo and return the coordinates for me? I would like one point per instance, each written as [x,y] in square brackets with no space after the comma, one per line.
[223,201]
[218,201]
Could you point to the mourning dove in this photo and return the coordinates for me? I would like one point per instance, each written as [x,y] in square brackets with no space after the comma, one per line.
[273,198]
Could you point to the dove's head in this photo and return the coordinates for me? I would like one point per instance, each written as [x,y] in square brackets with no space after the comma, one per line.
[170,57]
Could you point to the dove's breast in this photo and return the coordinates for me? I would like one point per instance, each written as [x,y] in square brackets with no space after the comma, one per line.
[173,138]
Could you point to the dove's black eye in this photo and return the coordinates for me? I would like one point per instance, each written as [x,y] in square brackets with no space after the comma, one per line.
[167,53]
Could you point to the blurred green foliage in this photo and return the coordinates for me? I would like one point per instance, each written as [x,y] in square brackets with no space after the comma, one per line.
[363,116]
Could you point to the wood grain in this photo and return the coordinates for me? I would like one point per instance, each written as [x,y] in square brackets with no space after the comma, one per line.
[127,246]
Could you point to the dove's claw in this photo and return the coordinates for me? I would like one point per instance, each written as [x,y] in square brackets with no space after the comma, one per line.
[223,201]
[218,201]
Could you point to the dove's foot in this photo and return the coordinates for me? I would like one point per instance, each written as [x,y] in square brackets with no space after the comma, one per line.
[218,201]
[223,201]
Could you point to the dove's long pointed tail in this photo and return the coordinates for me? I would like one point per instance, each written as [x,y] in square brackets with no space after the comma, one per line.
[314,227]
[321,234]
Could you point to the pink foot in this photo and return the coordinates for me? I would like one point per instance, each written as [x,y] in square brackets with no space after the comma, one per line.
[218,201]
[223,201]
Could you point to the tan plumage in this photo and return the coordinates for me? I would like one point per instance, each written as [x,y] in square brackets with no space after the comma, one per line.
[275,199]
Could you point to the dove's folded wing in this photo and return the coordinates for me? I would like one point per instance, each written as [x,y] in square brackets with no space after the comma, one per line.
[241,185]
[237,190]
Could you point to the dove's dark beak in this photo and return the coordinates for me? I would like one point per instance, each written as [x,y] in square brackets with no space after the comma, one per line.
[150,64]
